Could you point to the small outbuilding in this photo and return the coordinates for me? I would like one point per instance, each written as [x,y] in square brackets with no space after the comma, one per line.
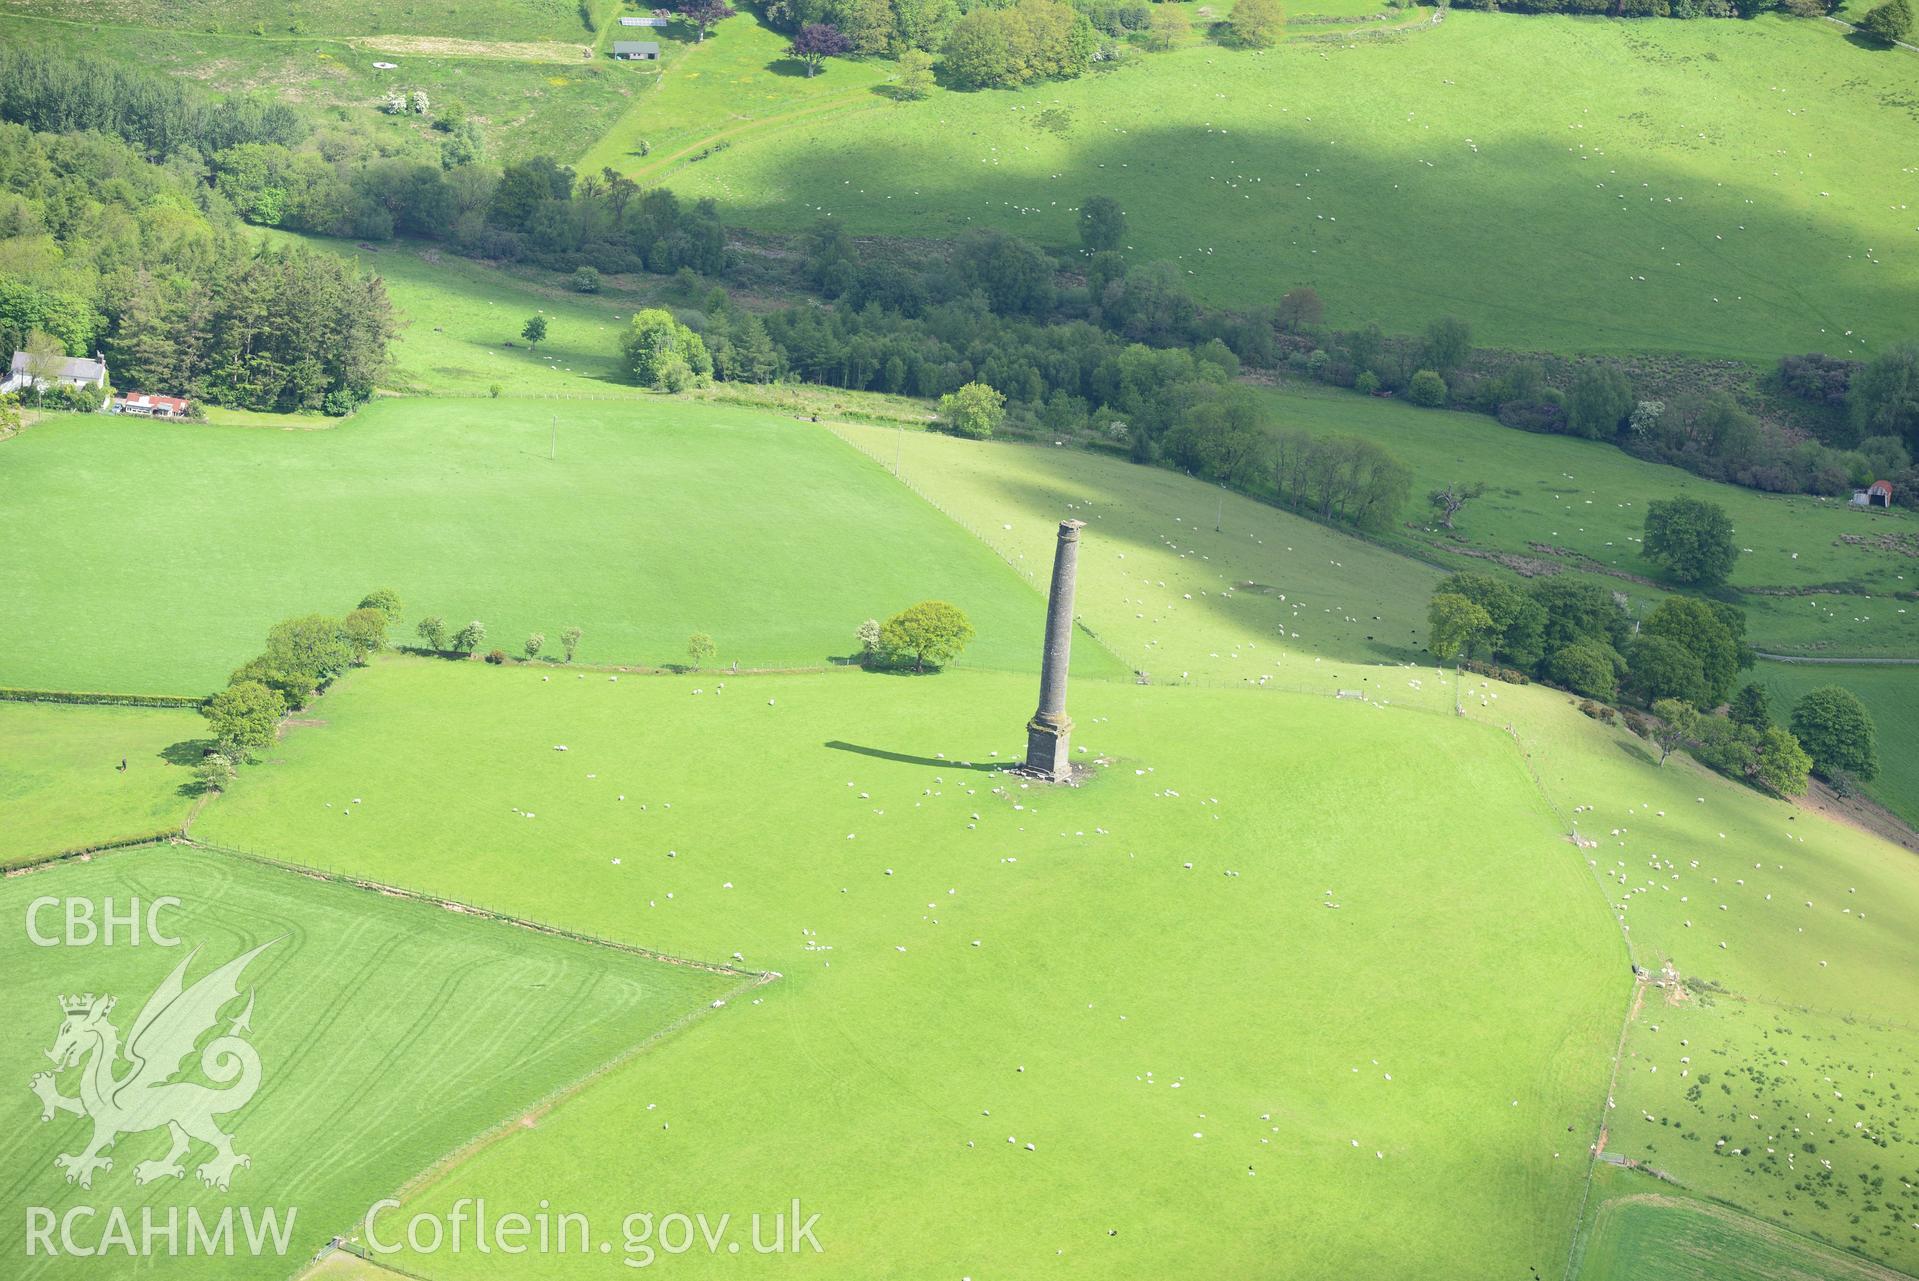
[140,405]
[636,50]
[643,22]
[1877,494]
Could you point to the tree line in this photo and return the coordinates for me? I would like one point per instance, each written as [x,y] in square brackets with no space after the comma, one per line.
[1682,662]
[161,116]
[276,167]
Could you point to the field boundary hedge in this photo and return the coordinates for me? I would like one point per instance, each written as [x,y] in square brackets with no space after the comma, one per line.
[34,861]
[100,698]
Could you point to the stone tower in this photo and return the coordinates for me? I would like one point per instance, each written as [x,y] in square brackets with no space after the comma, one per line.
[1049,733]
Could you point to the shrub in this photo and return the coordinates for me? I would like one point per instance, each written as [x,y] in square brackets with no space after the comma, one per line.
[496,656]
[1256,24]
[1508,675]
[1427,388]
[586,281]
[1585,667]
[973,411]
[1367,384]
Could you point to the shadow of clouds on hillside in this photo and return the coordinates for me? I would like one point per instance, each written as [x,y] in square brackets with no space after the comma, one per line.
[1531,201]
[1037,496]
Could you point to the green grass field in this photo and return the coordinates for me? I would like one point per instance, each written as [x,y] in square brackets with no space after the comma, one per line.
[1891,694]
[60,782]
[1185,1047]
[735,85]
[457,318]
[634,534]
[389,1033]
[1268,597]
[1738,167]
[1705,831]
[1787,932]
[1656,1236]
[1804,588]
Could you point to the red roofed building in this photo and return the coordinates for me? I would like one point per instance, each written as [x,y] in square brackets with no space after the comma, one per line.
[141,405]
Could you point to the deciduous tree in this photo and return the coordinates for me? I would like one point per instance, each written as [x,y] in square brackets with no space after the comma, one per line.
[815,42]
[1889,21]
[1450,501]
[243,717]
[1692,538]
[364,631]
[973,411]
[1256,24]
[915,78]
[705,15]
[930,632]
[1455,625]
[1837,732]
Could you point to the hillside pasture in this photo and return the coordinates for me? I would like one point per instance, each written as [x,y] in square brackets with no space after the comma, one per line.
[656,519]
[1786,933]
[460,321]
[60,782]
[1707,187]
[1818,923]
[389,1034]
[1581,505]
[1891,695]
[1240,1002]
[1266,597]
[736,84]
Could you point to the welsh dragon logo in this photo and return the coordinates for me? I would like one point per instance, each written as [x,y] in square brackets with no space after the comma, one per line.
[144,1096]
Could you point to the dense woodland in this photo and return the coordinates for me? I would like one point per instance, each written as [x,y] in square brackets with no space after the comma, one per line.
[105,251]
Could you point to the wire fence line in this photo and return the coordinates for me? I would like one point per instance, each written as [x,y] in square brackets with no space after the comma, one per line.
[1031,577]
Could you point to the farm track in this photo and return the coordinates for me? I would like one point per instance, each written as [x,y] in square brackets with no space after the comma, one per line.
[750,128]
[1821,660]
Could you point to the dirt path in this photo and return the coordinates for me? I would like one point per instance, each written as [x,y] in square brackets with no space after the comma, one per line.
[1838,662]
[1861,813]
[655,169]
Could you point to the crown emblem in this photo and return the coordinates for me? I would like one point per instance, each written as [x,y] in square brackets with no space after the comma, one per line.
[83,1004]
